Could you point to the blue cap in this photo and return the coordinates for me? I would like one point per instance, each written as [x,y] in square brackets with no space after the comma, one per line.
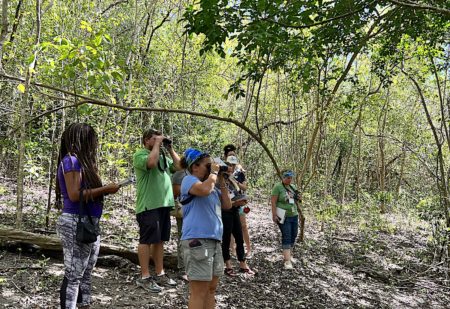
[192,155]
[288,174]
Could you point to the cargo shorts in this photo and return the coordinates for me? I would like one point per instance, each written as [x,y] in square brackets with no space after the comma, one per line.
[202,258]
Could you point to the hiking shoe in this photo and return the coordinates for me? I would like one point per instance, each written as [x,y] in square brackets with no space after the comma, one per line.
[294,261]
[149,285]
[164,280]
[288,265]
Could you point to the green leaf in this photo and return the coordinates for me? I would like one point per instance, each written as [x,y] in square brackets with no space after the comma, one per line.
[86,26]
[21,88]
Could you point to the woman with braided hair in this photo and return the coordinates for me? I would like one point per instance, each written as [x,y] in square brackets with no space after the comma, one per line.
[77,176]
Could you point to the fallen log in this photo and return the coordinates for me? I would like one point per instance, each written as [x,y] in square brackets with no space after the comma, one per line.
[10,237]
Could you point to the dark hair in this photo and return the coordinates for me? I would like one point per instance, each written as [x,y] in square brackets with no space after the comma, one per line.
[228,148]
[149,133]
[80,139]
[183,163]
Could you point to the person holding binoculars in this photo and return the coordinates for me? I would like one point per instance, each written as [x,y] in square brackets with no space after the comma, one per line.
[232,223]
[153,204]
[285,197]
[202,229]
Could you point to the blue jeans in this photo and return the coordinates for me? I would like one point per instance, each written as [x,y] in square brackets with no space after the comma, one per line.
[289,231]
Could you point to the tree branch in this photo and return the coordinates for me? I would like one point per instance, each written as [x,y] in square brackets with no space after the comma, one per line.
[152,33]
[113,5]
[326,21]
[93,101]
[416,6]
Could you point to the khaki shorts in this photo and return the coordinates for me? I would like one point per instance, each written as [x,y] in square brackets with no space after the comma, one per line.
[204,261]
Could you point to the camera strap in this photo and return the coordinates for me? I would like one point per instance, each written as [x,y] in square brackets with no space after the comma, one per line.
[165,164]
[292,190]
[187,200]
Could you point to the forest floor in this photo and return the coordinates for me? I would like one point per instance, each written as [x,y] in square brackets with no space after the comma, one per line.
[348,262]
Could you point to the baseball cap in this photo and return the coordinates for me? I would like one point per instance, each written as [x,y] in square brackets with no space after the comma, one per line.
[288,174]
[192,155]
[232,160]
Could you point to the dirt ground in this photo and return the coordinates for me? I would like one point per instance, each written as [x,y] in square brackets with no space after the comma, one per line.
[342,265]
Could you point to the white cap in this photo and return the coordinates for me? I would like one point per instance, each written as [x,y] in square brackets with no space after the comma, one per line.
[232,160]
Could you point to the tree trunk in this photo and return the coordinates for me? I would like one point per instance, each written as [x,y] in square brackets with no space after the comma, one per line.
[4,31]
[51,175]
[400,176]
[23,121]
[53,244]
[382,156]
[443,176]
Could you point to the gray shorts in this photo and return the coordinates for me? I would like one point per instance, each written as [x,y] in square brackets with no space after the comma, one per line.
[204,261]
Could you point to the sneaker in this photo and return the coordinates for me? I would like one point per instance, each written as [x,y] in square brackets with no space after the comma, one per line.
[149,285]
[164,280]
[288,265]
[294,260]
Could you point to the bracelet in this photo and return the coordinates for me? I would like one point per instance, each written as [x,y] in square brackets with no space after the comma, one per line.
[214,173]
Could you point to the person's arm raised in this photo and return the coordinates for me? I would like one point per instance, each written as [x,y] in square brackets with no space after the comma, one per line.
[153,157]
[175,158]
[206,187]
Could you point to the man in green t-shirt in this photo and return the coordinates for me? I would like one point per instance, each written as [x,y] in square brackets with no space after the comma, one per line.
[153,204]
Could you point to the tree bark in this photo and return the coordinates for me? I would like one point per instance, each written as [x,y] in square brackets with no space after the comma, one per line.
[23,121]
[53,244]
[51,175]
[4,31]
[381,155]
[442,178]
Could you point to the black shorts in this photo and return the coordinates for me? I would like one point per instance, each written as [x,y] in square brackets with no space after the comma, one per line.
[154,225]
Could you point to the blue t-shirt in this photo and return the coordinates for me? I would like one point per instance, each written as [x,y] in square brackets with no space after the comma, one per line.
[202,216]
[70,163]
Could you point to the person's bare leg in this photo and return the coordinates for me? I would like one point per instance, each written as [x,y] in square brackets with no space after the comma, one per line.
[228,264]
[243,264]
[157,255]
[144,259]
[287,255]
[211,296]
[198,293]
[246,235]
[233,246]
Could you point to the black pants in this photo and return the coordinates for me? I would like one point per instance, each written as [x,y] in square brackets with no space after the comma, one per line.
[232,225]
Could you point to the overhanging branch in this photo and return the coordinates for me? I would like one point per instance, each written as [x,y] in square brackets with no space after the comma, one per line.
[98,102]
[417,6]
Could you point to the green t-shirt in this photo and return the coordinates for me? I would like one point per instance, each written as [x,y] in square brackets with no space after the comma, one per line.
[154,187]
[283,198]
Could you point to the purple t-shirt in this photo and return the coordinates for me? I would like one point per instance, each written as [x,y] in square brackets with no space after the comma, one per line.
[70,164]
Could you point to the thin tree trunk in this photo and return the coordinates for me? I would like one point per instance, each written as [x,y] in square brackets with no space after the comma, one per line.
[358,163]
[4,31]
[23,121]
[442,179]
[349,157]
[51,175]
[381,154]
[400,176]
